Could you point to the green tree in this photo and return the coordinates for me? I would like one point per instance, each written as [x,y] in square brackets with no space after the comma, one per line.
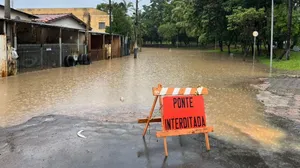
[168,31]
[244,22]
[121,22]
[289,31]
[223,21]
[182,17]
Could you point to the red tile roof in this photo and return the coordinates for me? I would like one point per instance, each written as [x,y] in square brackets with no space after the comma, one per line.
[52,17]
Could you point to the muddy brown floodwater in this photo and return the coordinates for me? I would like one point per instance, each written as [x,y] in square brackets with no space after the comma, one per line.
[94,92]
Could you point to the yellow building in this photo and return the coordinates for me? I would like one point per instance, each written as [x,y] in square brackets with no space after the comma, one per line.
[99,19]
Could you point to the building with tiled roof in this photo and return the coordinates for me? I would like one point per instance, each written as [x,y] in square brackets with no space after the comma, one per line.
[63,20]
[99,19]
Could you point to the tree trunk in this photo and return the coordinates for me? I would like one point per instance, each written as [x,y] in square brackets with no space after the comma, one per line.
[236,41]
[295,41]
[280,44]
[244,48]
[244,56]
[269,48]
[228,46]
[252,48]
[173,43]
[221,45]
[246,51]
[290,20]
[288,45]
[265,45]
[258,48]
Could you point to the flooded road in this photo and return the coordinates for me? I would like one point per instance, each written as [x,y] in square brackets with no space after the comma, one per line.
[94,92]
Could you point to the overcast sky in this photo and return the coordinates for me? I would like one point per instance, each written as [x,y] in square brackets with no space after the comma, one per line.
[64,3]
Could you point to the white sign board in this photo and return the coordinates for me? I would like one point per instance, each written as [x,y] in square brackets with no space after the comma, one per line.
[255,33]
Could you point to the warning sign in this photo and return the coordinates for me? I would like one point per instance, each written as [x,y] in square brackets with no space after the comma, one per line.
[183,112]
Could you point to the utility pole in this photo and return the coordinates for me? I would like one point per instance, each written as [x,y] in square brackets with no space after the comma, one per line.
[87,19]
[7,32]
[136,27]
[7,9]
[110,29]
[272,30]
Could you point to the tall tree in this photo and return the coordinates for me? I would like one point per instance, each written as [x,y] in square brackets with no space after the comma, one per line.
[289,32]
[245,21]
[224,21]
[121,22]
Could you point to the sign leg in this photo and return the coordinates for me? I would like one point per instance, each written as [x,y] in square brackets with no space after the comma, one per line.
[150,115]
[163,126]
[166,146]
[207,141]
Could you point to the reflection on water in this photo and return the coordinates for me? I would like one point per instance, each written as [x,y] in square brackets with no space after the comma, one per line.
[94,91]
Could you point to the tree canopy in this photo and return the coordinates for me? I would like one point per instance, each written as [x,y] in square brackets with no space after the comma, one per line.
[223,21]
[121,21]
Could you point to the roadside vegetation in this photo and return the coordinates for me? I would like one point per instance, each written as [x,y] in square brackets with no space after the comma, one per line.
[226,23]
[292,64]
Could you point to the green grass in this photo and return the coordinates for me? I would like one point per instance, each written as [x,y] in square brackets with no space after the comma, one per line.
[292,64]
[225,50]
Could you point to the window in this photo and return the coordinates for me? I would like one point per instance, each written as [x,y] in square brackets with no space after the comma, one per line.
[101,25]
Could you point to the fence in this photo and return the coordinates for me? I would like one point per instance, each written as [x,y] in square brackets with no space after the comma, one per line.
[44,56]
[50,56]
[97,55]
[30,57]
[126,48]
[70,49]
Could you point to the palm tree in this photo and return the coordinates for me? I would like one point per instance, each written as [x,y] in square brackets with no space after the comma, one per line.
[126,5]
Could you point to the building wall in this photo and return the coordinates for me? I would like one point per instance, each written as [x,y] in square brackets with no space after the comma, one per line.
[97,16]
[2,55]
[68,22]
[14,14]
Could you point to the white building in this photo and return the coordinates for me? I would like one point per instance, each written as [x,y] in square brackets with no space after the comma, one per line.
[17,15]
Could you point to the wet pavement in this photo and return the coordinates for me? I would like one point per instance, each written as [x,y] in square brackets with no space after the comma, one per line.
[52,141]
[88,97]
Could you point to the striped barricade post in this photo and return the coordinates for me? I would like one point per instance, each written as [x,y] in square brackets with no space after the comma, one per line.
[182,113]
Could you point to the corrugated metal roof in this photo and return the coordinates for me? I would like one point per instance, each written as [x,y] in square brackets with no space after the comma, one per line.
[40,24]
[51,25]
[99,33]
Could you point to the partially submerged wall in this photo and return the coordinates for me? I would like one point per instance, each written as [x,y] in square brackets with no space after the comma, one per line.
[3,56]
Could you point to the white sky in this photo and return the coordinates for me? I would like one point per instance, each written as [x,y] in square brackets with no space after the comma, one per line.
[64,3]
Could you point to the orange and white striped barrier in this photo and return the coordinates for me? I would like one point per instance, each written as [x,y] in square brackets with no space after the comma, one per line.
[160,91]
[182,113]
